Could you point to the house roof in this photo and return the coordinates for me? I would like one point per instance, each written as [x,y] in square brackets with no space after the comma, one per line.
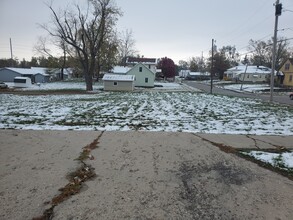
[195,73]
[140,64]
[22,71]
[237,70]
[120,69]
[29,71]
[291,60]
[250,69]
[115,77]
[141,60]
[20,77]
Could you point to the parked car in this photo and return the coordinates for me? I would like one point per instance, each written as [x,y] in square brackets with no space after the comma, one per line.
[3,85]
[291,96]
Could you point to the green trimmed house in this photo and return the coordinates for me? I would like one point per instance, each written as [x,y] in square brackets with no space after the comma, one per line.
[144,77]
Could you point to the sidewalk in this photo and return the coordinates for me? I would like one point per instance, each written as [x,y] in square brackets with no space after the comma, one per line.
[140,175]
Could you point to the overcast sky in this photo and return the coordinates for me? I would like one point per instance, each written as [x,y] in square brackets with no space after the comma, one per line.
[178,29]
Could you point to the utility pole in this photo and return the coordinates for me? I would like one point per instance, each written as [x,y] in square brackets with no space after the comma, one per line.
[212,66]
[278,12]
[241,87]
[11,55]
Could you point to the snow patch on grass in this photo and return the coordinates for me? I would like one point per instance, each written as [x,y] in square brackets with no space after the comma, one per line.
[153,111]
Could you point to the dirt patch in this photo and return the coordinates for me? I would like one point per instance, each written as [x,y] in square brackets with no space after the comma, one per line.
[202,188]
[45,92]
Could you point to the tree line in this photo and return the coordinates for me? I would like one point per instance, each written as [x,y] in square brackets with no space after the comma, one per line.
[259,54]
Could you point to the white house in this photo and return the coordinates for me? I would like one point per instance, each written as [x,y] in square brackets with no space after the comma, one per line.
[150,63]
[183,73]
[144,77]
[114,82]
[252,74]
[193,75]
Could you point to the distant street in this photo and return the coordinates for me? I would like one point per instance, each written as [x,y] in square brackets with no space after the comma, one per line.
[279,98]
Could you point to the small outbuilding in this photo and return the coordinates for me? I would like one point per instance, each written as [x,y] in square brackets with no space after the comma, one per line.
[22,82]
[113,82]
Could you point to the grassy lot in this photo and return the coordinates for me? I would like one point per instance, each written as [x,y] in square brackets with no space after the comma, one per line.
[154,111]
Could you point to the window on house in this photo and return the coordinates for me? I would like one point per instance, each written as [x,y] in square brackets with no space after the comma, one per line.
[247,76]
[140,69]
[115,83]
[290,78]
[146,80]
[287,66]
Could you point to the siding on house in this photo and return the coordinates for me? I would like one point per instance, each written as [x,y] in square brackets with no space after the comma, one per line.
[287,70]
[150,63]
[252,74]
[144,77]
[39,78]
[7,75]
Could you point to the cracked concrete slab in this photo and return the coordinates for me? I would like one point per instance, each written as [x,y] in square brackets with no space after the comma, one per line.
[250,141]
[34,165]
[140,175]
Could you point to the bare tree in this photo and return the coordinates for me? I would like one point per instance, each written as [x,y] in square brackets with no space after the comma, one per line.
[127,46]
[262,52]
[41,47]
[84,32]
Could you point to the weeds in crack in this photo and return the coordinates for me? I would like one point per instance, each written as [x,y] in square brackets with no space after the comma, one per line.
[278,167]
[222,147]
[76,178]
[47,215]
[84,173]
[239,152]
[86,152]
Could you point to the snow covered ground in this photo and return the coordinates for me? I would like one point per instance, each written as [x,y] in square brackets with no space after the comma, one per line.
[81,86]
[58,86]
[248,87]
[154,111]
[282,161]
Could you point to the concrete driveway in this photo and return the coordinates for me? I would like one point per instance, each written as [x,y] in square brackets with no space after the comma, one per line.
[140,175]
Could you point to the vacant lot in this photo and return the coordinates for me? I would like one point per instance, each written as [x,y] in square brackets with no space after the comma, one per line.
[153,111]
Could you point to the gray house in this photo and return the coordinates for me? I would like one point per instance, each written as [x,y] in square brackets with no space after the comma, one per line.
[113,82]
[144,77]
[8,74]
